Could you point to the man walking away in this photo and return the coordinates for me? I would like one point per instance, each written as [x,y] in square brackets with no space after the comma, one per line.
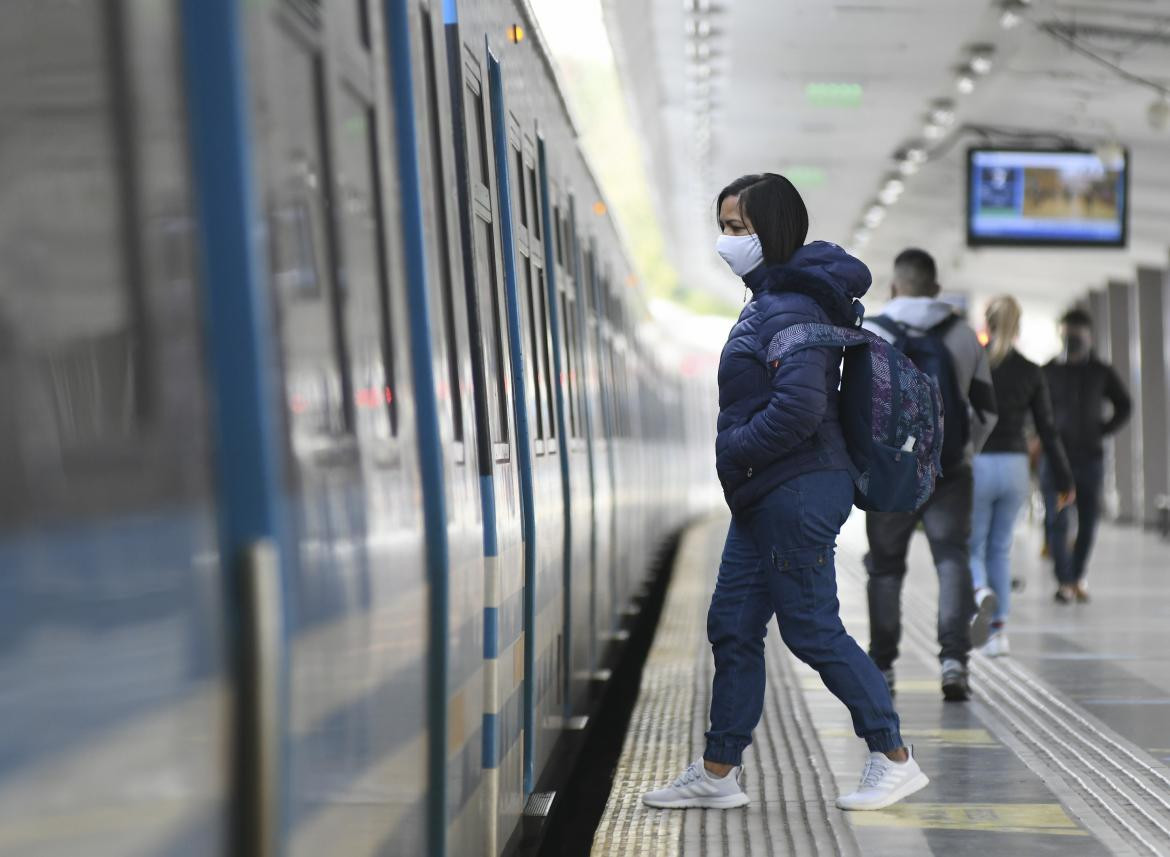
[1079,384]
[945,346]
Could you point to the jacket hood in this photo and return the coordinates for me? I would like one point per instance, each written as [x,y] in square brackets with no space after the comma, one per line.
[823,271]
[918,313]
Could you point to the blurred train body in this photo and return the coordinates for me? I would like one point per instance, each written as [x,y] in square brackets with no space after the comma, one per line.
[570,445]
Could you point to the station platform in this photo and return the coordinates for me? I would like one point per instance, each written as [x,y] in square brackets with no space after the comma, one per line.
[1063,749]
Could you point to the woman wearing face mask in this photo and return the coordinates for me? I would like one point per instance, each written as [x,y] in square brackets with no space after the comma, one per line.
[1002,482]
[781,458]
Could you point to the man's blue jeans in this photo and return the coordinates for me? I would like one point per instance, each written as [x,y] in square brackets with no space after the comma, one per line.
[778,559]
[1089,478]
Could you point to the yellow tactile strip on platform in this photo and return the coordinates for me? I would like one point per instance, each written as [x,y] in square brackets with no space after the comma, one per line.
[786,774]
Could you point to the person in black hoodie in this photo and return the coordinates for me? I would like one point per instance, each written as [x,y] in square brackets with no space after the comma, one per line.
[1080,384]
[1002,480]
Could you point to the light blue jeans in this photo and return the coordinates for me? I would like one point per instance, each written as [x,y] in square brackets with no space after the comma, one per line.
[1002,486]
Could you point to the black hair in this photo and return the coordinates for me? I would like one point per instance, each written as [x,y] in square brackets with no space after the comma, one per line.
[916,273]
[776,211]
[1077,317]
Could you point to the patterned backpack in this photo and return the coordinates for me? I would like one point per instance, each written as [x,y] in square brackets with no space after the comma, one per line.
[890,411]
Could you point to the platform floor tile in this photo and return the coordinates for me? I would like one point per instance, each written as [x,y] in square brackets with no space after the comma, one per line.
[1038,763]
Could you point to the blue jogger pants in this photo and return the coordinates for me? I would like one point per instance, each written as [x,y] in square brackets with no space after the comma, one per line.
[778,560]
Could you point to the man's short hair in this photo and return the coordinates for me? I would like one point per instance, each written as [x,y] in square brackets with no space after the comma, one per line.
[1077,317]
[915,273]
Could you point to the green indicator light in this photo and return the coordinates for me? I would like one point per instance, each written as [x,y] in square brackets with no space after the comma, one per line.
[833,94]
[355,125]
[804,176]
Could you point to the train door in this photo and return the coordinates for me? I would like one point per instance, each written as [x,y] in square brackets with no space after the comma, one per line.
[116,612]
[543,615]
[357,589]
[503,587]
[466,814]
[605,585]
[562,305]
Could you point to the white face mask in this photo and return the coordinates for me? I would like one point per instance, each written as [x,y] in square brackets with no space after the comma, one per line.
[742,253]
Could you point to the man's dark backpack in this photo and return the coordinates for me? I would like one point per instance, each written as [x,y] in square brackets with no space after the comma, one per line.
[930,354]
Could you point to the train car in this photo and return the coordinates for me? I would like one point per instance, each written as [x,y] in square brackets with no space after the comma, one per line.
[339,438]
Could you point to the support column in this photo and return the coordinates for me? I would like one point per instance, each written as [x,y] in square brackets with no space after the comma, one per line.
[1151,394]
[1126,479]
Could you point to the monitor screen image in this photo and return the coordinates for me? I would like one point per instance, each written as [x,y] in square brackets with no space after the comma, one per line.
[1046,198]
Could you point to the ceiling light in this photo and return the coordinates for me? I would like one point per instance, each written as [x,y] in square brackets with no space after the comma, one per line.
[1012,12]
[981,62]
[933,132]
[942,112]
[915,154]
[891,191]
[874,216]
[965,83]
[861,237]
[703,70]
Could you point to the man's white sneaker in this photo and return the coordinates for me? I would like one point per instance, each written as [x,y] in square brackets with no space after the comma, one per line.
[884,782]
[997,645]
[986,602]
[697,787]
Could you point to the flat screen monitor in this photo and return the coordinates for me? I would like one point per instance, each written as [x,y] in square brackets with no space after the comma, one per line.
[1046,198]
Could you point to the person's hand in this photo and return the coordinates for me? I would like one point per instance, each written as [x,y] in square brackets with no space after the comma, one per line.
[1065,499]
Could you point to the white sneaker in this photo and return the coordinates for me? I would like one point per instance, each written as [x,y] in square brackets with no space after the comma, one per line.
[997,645]
[699,788]
[986,603]
[884,782]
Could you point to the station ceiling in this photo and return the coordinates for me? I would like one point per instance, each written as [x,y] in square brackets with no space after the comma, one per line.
[829,92]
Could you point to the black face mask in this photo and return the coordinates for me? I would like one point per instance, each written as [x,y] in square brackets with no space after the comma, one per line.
[1076,343]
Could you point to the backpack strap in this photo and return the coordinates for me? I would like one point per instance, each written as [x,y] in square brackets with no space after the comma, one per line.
[900,332]
[798,337]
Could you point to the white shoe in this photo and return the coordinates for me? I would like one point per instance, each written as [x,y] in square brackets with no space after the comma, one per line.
[997,645]
[885,782]
[986,603]
[699,788]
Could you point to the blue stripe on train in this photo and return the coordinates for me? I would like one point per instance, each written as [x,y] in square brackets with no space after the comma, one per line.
[487,499]
[502,730]
[491,632]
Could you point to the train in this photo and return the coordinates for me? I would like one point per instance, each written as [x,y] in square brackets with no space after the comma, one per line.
[339,438]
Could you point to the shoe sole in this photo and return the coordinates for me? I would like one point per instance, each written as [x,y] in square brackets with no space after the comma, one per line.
[956,692]
[727,802]
[908,788]
[981,622]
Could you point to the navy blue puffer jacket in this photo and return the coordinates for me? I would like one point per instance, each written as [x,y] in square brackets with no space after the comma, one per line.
[778,422]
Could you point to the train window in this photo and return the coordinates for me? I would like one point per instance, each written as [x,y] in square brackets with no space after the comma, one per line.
[439,210]
[517,180]
[558,246]
[301,265]
[569,340]
[546,354]
[497,368]
[533,349]
[366,267]
[476,124]
[534,195]
[364,22]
